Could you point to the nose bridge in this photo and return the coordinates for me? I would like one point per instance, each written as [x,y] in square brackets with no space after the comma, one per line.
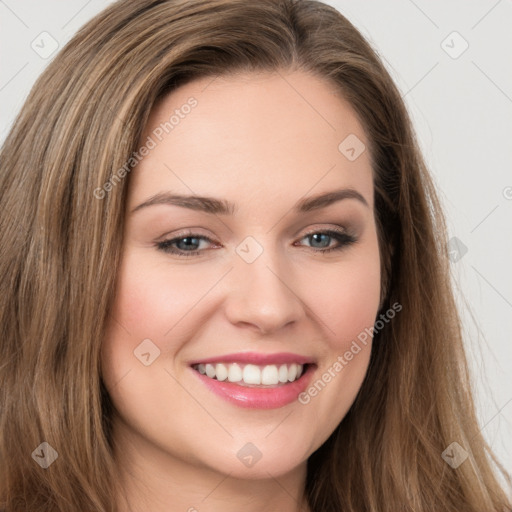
[264,293]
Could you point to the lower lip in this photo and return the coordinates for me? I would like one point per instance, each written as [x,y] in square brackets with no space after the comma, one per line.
[259,398]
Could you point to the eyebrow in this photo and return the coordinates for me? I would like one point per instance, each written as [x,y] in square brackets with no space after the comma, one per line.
[223,207]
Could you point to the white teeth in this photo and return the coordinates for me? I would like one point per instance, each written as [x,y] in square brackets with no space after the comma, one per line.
[251,374]
[292,372]
[234,373]
[221,372]
[269,375]
[283,373]
[210,371]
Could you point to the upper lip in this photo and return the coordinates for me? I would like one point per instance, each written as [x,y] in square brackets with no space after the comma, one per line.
[257,358]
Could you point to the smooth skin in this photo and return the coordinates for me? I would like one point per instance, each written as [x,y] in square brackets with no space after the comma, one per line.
[263,141]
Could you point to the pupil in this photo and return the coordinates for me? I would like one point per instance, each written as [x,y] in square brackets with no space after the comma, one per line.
[316,235]
[185,242]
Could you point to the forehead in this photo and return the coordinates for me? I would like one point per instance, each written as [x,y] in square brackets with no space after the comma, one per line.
[248,135]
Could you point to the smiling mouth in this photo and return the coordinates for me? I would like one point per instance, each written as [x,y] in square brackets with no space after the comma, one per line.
[251,375]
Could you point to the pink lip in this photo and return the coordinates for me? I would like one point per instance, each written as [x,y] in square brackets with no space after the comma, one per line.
[259,398]
[255,358]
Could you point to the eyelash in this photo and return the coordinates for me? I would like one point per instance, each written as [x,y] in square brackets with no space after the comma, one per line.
[343,239]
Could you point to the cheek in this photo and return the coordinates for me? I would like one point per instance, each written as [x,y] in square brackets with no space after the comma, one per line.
[346,296]
[151,300]
[355,300]
[144,308]
[148,305]
[153,304]
[346,301]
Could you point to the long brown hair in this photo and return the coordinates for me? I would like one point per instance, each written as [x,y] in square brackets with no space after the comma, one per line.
[61,236]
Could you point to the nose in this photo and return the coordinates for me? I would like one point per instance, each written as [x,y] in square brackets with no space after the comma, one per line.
[264,294]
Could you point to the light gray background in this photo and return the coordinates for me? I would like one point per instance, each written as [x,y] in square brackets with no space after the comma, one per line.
[461,104]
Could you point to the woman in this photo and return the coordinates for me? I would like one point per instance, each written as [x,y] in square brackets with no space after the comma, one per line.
[259,370]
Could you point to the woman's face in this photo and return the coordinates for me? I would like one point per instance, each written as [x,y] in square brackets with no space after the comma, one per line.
[247,291]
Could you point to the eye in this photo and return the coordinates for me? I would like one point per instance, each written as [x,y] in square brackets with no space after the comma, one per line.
[189,243]
[343,240]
